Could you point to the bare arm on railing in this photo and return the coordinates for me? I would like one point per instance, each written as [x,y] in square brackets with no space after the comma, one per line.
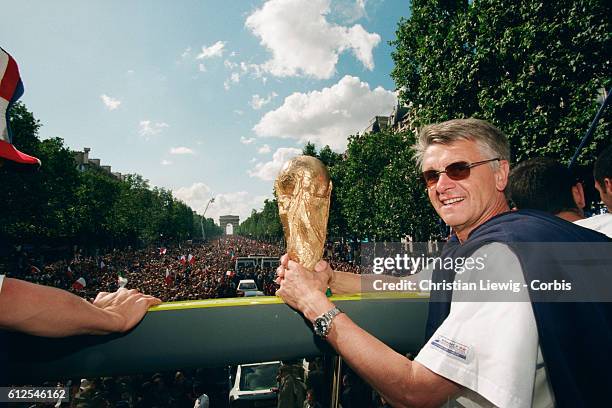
[51,312]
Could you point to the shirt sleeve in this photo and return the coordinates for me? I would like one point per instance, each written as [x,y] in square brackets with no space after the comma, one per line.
[488,347]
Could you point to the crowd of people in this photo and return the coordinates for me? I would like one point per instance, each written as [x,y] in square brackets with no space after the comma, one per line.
[171,273]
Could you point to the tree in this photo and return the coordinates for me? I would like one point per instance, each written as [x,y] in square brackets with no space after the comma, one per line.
[532,68]
[382,196]
[57,205]
[263,225]
[37,205]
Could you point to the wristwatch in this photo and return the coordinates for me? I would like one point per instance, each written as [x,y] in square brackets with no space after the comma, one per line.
[322,324]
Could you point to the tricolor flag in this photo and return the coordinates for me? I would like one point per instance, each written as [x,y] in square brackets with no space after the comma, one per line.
[183,260]
[162,251]
[69,272]
[121,280]
[169,278]
[79,283]
[191,259]
[34,269]
[11,89]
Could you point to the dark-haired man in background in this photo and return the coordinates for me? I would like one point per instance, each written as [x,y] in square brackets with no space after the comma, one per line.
[545,184]
[602,172]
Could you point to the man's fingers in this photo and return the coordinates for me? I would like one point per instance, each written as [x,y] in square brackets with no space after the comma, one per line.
[284,260]
[152,301]
[101,295]
[321,266]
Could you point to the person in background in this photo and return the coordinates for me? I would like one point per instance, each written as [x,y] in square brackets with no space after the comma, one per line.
[545,184]
[602,172]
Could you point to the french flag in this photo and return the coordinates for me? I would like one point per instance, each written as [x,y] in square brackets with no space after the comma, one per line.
[11,89]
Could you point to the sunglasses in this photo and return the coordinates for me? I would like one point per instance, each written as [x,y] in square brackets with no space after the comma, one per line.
[455,171]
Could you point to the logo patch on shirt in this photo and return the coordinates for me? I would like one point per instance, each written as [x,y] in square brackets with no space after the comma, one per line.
[451,347]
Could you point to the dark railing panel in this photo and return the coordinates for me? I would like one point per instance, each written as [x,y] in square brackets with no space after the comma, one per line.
[207,334]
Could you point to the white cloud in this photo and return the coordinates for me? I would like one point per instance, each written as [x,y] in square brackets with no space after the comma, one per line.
[215,50]
[245,140]
[110,102]
[239,203]
[201,67]
[239,112]
[329,116]
[187,53]
[349,10]
[166,162]
[233,79]
[303,42]
[148,128]
[181,150]
[268,171]
[257,102]
[264,149]
[229,64]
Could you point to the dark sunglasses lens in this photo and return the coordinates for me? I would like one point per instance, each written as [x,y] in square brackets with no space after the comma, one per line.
[458,171]
[431,177]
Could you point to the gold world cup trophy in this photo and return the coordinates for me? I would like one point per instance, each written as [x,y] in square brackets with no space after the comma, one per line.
[303,190]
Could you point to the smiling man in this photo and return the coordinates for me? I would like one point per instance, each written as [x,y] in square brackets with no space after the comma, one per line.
[481,353]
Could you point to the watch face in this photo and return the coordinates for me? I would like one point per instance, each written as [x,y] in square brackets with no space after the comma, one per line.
[320,327]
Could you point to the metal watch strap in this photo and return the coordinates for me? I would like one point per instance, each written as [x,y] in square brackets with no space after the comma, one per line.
[323,323]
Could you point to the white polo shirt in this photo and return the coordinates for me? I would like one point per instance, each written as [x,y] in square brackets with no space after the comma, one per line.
[601,223]
[491,348]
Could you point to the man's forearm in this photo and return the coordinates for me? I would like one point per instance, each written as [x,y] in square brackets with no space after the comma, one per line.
[400,381]
[51,312]
[345,282]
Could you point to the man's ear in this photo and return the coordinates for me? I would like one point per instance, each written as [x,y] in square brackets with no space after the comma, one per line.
[607,185]
[501,175]
[578,195]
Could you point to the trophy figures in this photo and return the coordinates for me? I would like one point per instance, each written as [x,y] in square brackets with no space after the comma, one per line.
[303,190]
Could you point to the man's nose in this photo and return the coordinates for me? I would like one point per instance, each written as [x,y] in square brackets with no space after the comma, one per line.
[444,183]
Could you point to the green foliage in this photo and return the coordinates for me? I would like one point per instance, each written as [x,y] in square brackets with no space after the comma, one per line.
[264,224]
[37,205]
[211,229]
[533,68]
[382,196]
[58,205]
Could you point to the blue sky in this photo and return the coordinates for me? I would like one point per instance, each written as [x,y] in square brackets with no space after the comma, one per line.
[204,97]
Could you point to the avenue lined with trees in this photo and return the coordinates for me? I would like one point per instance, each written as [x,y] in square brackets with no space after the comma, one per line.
[59,206]
[534,69]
